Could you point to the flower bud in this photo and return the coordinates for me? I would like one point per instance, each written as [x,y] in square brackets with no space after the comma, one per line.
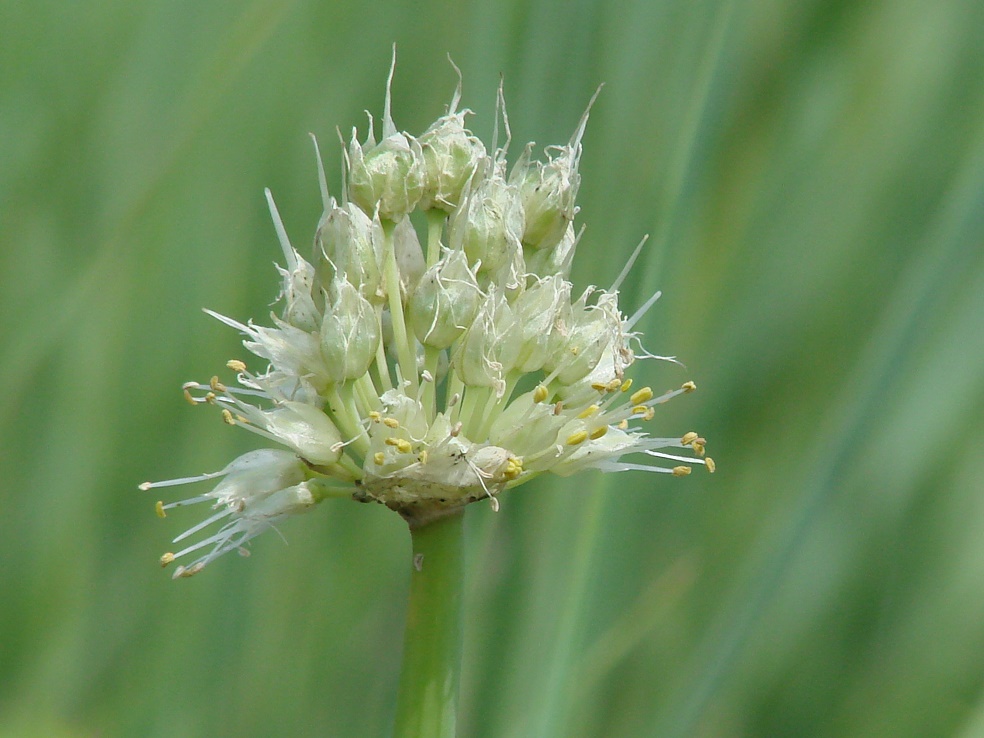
[556,260]
[445,301]
[281,504]
[300,309]
[450,155]
[525,426]
[488,349]
[349,333]
[386,177]
[257,474]
[536,311]
[307,430]
[489,223]
[346,241]
[590,330]
[409,256]
[547,192]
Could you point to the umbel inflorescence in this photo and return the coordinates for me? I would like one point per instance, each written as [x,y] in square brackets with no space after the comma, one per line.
[429,377]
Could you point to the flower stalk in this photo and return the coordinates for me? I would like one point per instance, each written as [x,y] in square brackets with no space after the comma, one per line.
[428,693]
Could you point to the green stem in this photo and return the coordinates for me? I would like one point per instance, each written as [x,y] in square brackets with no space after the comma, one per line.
[381,366]
[432,357]
[427,702]
[435,225]
[405,353]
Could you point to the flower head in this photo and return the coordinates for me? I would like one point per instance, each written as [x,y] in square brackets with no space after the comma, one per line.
[425,379]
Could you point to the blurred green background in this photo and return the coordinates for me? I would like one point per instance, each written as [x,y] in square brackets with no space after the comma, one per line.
[812,174]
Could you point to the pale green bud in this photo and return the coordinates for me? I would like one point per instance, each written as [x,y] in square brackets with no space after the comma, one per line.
[387,177]
[547,192]
[445,301]
[510,276]
[450,155]
[537,310]
[299,278]
[584,335]
[346,241]
[300,309]
[488,350]
[489,223]
[409,256]
[257,474]
[526,426]
[349,334]
[556,260]
[307,430]
[281,504]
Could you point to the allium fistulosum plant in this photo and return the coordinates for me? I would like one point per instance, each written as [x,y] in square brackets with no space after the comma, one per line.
[429,377]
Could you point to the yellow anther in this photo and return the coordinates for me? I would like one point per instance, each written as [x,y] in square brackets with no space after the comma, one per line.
[575,350]
[649,414]
[614,385]
[640,396]
[681,471]
[391,422]
[698,448]
[189,571]
[379,457]
[375,416]
[159,509]
[422,456]
[400,444]
[689,438]
[227,417]
[514,467]
[576,438]
[639,410]
[688,387]
[626,385]
[709,463]
[216,385]
[598,433]
[600,386]
[236,365]
[166,559]
[540,393]
[189,398]
[588,411]
[210,398]
[623,424]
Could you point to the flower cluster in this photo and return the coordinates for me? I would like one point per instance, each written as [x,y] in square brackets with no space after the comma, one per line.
[429,377]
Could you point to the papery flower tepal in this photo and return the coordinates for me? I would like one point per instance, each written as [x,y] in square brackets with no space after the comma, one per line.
[427,378]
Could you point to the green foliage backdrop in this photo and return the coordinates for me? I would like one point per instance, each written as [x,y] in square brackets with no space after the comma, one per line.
[812,174]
